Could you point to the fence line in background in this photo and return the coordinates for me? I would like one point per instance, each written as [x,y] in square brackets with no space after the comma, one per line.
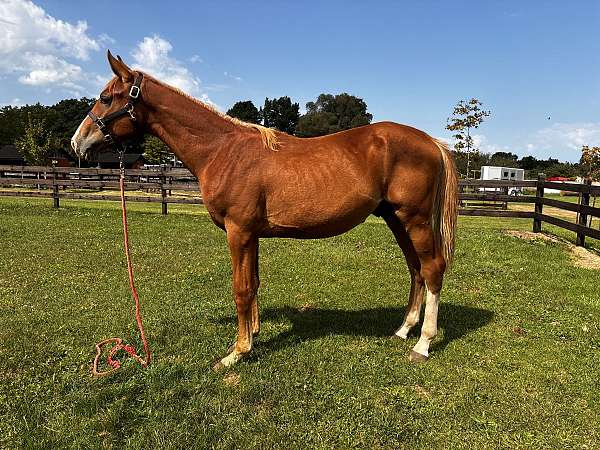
[162,181]
[491,197]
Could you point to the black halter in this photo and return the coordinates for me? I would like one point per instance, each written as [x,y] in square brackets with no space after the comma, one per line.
[103,122]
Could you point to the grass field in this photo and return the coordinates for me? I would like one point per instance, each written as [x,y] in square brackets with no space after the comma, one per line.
[516,363]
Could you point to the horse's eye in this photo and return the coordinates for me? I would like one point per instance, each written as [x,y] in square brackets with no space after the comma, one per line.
[105,99]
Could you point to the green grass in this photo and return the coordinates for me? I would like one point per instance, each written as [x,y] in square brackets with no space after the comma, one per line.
[516,363]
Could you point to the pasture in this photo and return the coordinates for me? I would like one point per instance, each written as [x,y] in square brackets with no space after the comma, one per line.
[516,363]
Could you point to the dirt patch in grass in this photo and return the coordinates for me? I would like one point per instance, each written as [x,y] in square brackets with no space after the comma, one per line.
[580,256]
[585,258]
[231,379]
[422,392]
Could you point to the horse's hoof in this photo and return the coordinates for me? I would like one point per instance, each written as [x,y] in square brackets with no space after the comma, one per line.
[400,336]
[231,358]
[415,357]
[217,365]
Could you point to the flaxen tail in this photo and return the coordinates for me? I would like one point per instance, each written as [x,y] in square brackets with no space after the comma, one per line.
[445,210]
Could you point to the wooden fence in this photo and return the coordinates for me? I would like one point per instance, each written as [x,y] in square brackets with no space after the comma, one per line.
[176,185]
[497,192]
[161,185]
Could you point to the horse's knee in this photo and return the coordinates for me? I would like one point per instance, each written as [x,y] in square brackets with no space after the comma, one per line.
[244,298]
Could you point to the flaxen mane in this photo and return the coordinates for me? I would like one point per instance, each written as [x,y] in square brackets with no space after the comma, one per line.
[268,135]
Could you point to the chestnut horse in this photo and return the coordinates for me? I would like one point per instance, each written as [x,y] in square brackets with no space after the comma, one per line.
[257,182]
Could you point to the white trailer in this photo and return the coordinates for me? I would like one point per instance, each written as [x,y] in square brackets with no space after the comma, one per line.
[502,173]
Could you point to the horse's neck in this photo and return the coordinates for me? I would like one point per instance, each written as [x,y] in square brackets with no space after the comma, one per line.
[192,131]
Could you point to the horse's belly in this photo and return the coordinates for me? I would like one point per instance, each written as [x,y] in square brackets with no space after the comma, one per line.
[318,216]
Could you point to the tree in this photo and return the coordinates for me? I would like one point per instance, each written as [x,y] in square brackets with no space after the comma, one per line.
[156,151]
[37,143]
[476,159]
[64,117]
[245,111]
[280,113]
[467,115]
[504,159]
[528,162]
[14,119]
[330,114]
[590,160]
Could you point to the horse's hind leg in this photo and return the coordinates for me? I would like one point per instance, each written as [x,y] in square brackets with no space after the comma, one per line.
[432,270]
[413,309]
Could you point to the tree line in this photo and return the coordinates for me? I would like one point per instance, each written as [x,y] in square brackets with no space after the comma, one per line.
[328,114]
[38,131]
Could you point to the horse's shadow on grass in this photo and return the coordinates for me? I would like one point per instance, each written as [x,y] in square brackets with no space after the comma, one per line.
[313,323]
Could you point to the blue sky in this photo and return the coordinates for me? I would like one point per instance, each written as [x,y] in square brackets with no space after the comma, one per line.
[534,64]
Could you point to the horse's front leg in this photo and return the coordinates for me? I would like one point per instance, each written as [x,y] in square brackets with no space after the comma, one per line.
[243,247]
[255,314]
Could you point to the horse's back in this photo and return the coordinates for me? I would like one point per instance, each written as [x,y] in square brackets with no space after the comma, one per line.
[330,184]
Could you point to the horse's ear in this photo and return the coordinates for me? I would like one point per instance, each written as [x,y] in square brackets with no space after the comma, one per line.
[119,68]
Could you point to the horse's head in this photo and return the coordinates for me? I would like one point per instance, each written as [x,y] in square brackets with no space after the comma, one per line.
[117,114]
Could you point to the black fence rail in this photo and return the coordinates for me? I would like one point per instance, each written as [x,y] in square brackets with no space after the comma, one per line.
[177,185]
[496,194]
[162,185]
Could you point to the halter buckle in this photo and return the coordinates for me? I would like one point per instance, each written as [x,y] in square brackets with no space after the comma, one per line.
[100,123]
[134,92]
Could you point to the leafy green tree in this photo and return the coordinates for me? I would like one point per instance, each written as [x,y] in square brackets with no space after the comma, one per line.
[561,169]
[13,120]
[280,113]
[476,159]
[528,162]
[37,143]
[590,161]
[64,117]
[467,115]
[333,113]
[156,151]
[245,111]
[504,159]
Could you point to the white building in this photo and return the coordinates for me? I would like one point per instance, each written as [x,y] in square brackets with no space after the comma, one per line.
[502,173]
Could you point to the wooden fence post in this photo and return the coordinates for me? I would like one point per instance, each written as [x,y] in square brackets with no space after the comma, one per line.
[163,191]
[585,201]
[55,193]
[539,194]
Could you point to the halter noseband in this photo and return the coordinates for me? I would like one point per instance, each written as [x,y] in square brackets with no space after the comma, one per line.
[103,122]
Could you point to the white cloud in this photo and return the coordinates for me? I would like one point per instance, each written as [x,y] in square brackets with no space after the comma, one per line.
[227,74]
[49,69]
[30,28]
[485,146]
[195,59]
[37,47]
[564,140]
[14,102]
[152,55]
[106,39]
[481,142]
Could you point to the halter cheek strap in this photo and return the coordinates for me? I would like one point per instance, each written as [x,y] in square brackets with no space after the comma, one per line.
[103,122]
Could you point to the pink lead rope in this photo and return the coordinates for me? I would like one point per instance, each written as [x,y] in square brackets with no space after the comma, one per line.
[130,349]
